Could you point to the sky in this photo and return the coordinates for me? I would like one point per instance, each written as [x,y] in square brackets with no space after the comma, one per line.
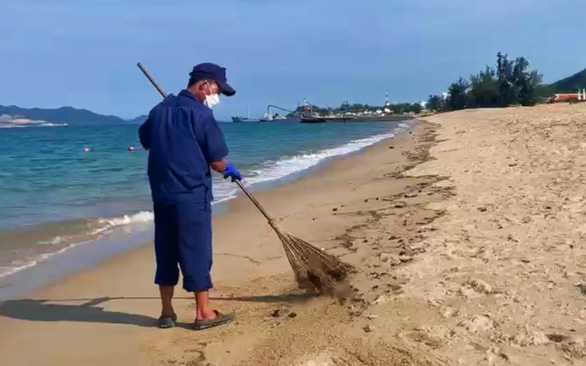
[83,53]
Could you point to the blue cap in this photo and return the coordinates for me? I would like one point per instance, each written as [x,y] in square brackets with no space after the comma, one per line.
[214,72]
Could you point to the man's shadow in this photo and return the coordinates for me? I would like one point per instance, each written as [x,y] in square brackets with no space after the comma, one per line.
[40,310]
[52,311]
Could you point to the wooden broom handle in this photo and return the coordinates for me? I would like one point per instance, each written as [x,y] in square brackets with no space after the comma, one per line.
[256,203]
[239,183]
[157,86]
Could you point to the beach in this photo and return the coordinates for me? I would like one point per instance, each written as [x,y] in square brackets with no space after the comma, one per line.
[468,234]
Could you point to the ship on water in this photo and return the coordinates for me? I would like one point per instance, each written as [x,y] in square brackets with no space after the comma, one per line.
[269,116]
[239,119]
[309,115]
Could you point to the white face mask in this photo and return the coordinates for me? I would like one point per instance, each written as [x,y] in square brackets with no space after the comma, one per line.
[212,100]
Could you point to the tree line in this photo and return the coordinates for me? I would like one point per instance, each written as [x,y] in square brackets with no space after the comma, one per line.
[510,82]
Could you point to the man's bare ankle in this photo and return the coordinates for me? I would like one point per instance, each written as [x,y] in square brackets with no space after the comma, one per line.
[206,315]
[167,313]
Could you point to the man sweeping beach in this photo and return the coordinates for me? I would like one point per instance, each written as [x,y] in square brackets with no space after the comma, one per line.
[184,142]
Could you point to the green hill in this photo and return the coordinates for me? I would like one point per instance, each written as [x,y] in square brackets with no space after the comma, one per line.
[137,121]
[570,84]
[71,116]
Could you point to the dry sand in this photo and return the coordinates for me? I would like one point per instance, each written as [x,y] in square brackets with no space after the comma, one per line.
[469,239]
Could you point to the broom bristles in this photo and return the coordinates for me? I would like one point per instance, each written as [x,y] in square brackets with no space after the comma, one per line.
[314,269]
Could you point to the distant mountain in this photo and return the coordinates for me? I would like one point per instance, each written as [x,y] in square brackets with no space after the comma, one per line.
[69,115]
[570,84]
[137,121]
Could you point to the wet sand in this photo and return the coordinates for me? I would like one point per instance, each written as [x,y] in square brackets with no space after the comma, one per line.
[468,235]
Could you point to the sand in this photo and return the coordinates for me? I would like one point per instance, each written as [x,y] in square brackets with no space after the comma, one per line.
[468,235]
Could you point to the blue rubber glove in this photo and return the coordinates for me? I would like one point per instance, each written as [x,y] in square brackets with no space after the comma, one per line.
[232,172]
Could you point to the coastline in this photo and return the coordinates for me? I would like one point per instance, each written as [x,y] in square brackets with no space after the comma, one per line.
[467,233]
[61,252]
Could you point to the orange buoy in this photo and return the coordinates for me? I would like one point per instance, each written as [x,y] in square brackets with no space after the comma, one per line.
[131,148]
[86,149]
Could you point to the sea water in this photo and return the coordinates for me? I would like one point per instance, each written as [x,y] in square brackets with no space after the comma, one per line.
[55,196]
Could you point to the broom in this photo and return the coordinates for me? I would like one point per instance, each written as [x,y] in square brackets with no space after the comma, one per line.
[315,270]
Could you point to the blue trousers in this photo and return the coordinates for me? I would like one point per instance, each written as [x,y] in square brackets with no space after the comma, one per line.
[183,239]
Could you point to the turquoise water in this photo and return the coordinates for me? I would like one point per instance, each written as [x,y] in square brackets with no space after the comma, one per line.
[54,194]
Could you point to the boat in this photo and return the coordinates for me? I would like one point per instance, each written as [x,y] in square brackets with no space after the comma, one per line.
[292,116]
[285,119]
[309,116]
[338,118]
[238,119]
[246,119]
[312,119]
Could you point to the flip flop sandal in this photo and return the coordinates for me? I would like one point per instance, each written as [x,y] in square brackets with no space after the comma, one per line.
[167,321]
[220,319]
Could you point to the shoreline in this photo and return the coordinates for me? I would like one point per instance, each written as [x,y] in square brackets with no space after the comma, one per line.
[76,257]
[112,187]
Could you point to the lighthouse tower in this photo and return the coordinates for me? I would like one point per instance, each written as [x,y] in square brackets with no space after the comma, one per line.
[387,104]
